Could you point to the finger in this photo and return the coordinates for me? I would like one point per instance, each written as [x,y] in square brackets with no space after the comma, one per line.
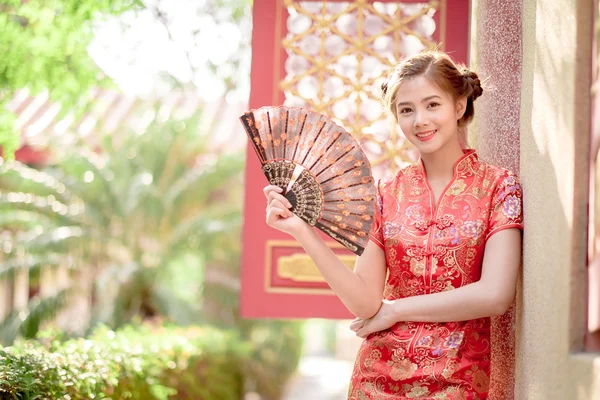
[277,203]
[364,329]
[271,188]
[363,332]
[275,212]
[357,324]
[276,196]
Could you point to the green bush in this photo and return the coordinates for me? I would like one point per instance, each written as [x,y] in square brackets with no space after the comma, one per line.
[132,363]
[275,350]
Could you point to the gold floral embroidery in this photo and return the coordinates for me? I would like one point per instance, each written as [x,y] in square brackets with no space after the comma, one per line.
[450,368]
[480,379]
[452,394]
[417,267]
[434,265]
[457,187]
[374,356]
[449,260]
[416,391]
[401,369]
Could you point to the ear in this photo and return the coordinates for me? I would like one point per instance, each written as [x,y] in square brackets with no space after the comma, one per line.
[461,107]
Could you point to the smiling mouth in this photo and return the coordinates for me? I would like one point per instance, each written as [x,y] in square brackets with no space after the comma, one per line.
[426,135]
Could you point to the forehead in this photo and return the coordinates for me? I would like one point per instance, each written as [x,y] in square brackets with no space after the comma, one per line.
[417,88]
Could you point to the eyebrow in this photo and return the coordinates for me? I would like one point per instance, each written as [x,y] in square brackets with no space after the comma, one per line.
[404,103]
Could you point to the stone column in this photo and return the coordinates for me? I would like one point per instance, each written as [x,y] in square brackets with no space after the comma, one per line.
[496,55]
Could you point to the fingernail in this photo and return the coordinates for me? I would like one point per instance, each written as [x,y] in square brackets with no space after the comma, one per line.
[289,204]
[278,189]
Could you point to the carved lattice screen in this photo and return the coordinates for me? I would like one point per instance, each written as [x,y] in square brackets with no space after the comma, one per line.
[337,56]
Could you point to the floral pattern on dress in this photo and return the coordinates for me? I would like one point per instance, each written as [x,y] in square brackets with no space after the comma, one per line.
[428,250]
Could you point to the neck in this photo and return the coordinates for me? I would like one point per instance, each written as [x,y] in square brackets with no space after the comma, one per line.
[440,165]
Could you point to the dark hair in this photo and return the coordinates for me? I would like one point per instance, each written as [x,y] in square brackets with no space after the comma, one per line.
[442,71]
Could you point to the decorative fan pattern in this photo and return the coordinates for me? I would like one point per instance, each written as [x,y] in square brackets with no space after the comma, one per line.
[337,55]
[322,169]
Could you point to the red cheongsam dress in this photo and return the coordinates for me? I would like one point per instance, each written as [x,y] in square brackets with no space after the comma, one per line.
[432,249]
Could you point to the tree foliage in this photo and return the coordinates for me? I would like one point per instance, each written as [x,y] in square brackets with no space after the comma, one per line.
[43,45]
[201,45]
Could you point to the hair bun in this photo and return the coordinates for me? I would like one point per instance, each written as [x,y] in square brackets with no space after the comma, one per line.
[472,81]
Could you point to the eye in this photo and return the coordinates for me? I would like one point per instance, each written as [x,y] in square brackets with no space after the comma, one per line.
[433,104]
[404,110]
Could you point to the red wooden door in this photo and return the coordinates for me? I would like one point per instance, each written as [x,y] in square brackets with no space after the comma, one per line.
[329,57]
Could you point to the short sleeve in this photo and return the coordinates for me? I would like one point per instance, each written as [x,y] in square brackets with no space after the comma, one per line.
[376,233]
[506,205]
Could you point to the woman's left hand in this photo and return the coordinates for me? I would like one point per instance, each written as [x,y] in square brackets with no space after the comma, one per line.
[384,319]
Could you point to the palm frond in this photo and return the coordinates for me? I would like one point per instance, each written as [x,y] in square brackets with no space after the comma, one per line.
[204,227]
[140,190]
[17,177]
[21,220]
[86,174]
[56,240]
[32,262]
[27,322]
[203,180]
[46,206]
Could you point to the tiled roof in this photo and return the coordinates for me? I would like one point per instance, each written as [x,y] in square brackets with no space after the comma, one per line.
[113,112]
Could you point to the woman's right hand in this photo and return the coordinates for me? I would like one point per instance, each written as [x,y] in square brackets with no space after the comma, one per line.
[279,215]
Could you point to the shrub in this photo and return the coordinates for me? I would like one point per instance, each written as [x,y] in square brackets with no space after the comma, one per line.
[131,363]
[275,350]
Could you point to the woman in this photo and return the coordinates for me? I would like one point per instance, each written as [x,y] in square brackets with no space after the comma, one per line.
[448,231]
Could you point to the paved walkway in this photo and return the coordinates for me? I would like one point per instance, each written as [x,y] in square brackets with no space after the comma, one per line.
[320,378]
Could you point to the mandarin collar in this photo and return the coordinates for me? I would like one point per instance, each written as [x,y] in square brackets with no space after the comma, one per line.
[469,157]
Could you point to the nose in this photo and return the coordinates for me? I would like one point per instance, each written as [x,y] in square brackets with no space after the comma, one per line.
[420,120]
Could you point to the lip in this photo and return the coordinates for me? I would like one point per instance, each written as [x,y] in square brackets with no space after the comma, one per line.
[426,135]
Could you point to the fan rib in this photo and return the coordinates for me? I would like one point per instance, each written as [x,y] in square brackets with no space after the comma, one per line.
[299,136]
[316,138]
[343,173]
[326,150]
[321,156]
[356,247]
[254,133]
[343,188]
[343,201]
[271,134]
[348,228]
[338,159]
[338,211]
[287,118]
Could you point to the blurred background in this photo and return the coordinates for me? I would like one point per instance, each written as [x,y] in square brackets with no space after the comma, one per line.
[121,186]
[120,219]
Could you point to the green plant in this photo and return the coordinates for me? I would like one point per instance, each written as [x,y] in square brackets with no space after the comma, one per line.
[126,216]
[135,362]
[276,347]
[153,219]
[44,46]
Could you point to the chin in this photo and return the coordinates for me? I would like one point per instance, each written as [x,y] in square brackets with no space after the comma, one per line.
[427,148]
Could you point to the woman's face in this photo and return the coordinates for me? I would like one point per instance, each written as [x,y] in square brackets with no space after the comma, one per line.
[427,115]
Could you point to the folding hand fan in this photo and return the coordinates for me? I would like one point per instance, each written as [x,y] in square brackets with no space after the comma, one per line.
[321,168]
